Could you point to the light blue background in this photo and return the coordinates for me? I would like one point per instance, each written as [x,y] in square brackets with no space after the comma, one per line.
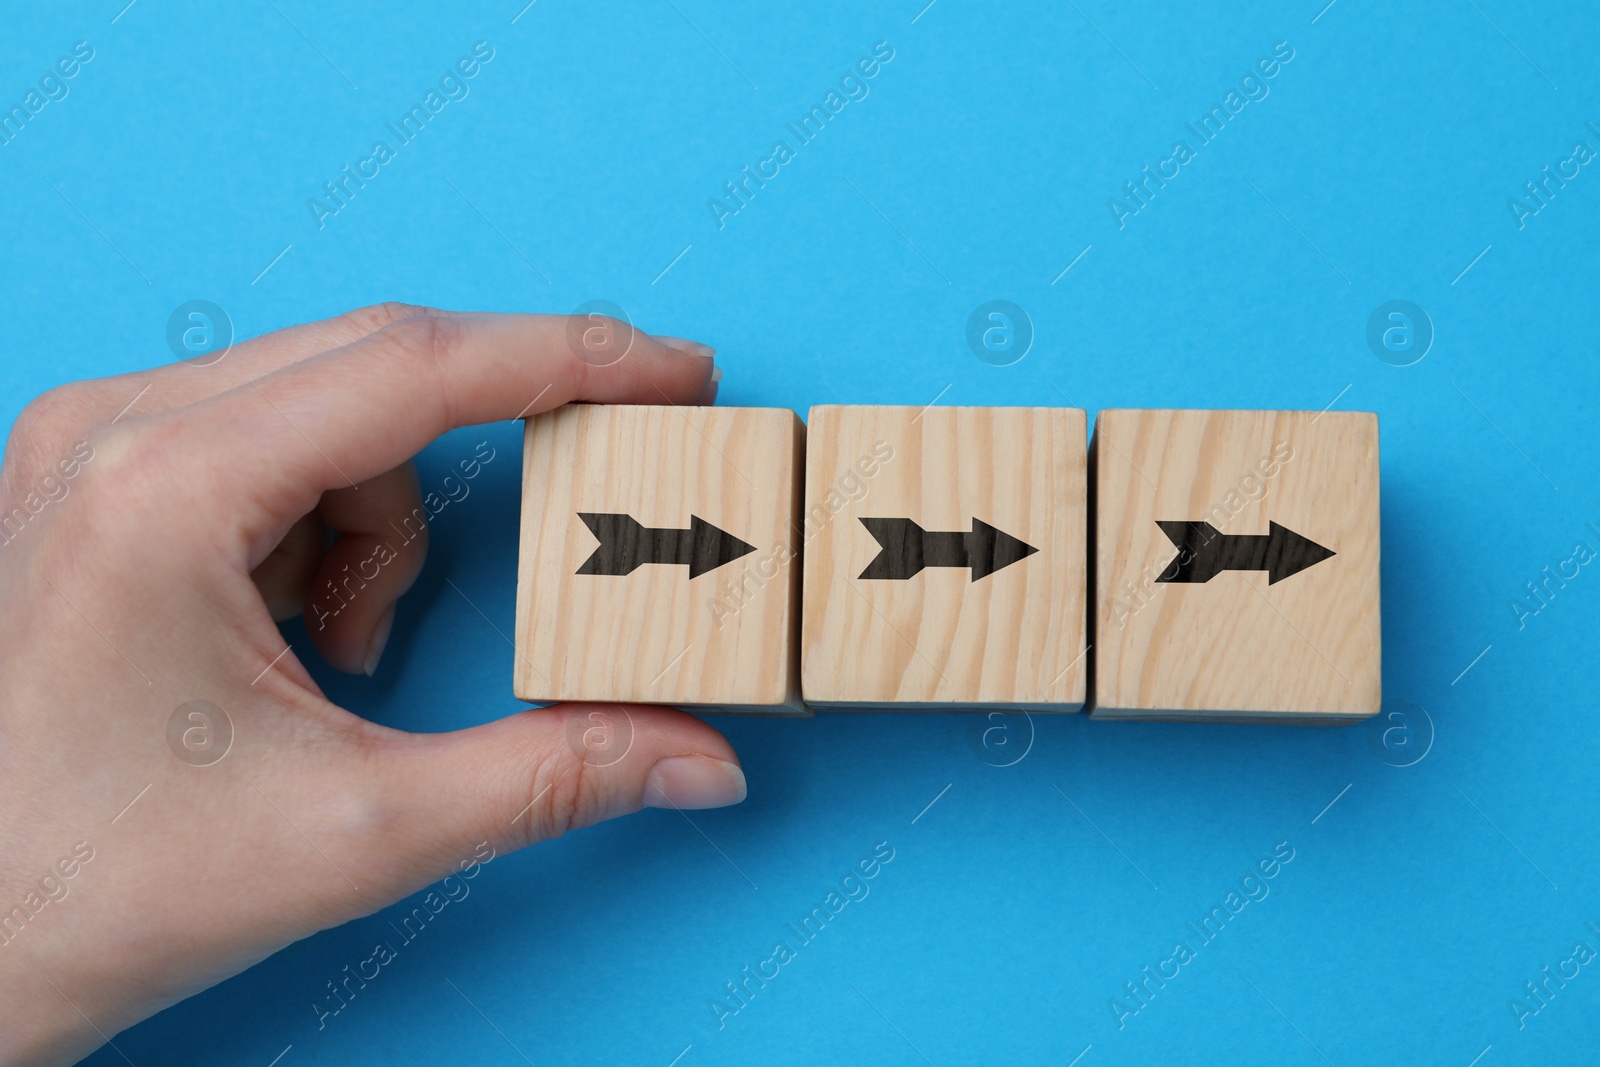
[978,168]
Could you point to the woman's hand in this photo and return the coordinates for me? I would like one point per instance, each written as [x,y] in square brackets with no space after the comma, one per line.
[154,524]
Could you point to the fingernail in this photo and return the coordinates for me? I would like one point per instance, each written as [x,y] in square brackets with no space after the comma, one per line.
[683,344]
[693,782]
[380,637]
[708,395]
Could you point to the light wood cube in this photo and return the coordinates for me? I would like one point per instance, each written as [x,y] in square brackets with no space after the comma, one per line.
[659,557]
[946,558]
[1236,566]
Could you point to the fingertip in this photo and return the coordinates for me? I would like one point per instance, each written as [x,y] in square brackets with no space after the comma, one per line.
[672,371]
[378,641]
[708,396]
[683,344]
[694,782]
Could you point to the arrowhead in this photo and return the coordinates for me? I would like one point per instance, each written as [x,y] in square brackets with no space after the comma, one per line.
[989,549]
[1288,553]
[710,548]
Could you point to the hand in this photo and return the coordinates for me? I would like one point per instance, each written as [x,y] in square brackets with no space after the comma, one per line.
[144,556]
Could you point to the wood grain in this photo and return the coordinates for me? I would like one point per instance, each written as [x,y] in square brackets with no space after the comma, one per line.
[1236,647]
[1011,639]
[727,638]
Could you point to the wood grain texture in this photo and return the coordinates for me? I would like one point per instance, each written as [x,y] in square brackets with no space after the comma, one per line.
[941,639]
[1236,647]
[727,638]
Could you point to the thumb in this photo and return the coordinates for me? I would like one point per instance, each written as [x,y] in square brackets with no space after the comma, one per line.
[537,774]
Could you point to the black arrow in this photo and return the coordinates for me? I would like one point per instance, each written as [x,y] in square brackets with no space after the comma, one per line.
[625,544]
[907,548]
[1204,552]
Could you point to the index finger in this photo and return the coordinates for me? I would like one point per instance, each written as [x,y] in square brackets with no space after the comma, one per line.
[340,418]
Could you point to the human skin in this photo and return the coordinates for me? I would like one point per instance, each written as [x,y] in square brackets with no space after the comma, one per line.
[154,581]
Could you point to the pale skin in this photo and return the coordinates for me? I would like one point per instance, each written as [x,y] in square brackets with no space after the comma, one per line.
[155,580]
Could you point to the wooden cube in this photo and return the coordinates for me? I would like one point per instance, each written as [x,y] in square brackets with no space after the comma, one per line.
[1236,566]
[658,557]
[946,559]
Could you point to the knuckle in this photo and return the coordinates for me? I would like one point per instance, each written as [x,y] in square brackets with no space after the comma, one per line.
[375,317]
[122,454]
[42,484]
[52,415]
[563,796]
[424,336]
[134,469]
[424,344]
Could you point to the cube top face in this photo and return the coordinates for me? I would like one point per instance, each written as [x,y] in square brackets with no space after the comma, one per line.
[1236,571]
[946,557]
[657,559]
